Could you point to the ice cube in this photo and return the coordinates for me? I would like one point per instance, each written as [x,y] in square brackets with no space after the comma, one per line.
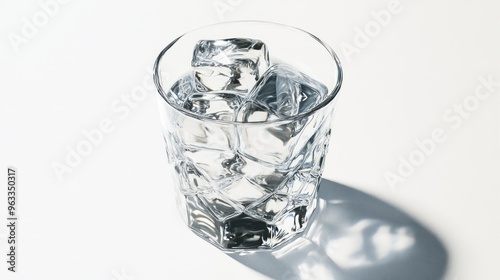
[253,112]
[282,92]
[214,105]
[193,132]
[183,88]
[271,143]
[287,92]
[230,64]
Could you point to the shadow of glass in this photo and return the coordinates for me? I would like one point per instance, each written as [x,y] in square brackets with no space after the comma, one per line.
[354,236]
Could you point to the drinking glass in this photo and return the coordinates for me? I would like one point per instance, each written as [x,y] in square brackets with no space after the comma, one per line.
[247,185]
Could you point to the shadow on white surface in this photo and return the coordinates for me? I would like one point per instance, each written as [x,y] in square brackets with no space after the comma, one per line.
[354,236]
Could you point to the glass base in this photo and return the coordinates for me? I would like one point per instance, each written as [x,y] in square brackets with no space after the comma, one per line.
[242,230]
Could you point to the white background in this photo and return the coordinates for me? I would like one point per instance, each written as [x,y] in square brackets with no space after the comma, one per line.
[113,217]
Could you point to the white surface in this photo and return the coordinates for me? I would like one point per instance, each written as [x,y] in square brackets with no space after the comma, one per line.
[114,212]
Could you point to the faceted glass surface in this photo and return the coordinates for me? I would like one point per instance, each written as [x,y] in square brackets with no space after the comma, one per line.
[245,185]
[246,139]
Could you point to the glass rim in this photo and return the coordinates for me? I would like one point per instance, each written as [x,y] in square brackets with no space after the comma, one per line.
[330,96]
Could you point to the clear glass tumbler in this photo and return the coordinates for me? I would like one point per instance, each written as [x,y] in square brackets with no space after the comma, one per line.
[242,184]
